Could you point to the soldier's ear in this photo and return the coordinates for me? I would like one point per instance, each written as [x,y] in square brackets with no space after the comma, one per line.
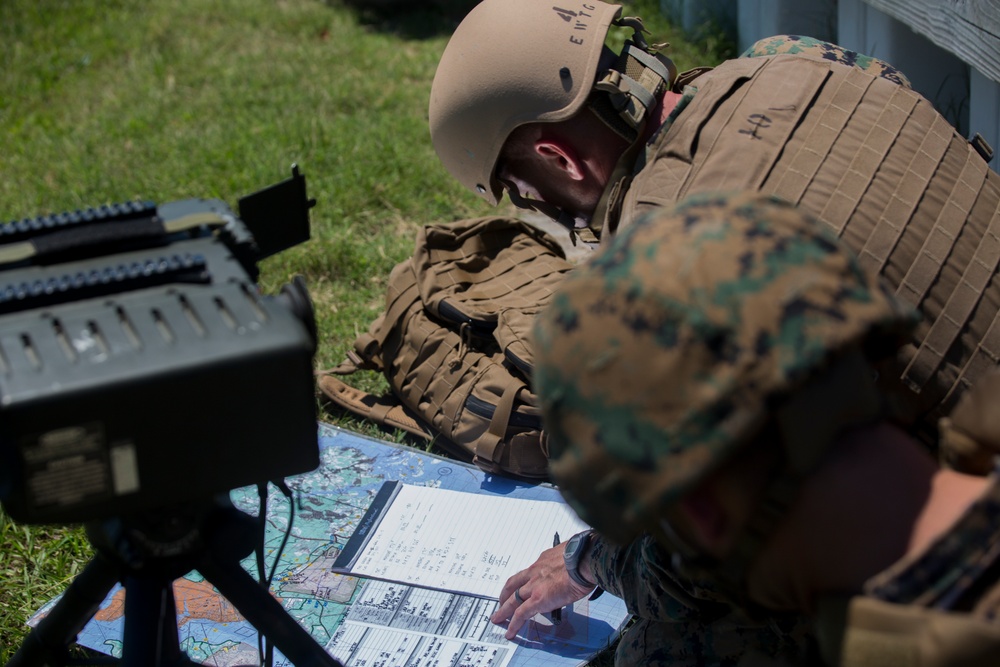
[560,158]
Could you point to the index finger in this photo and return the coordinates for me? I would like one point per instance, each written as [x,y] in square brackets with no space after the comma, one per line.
[523,613]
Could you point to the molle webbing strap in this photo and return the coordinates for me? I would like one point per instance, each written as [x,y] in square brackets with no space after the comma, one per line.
[941,239]
[453,341]
[745,133]
[822,129]
[979,273]
[865,159]
[398,301]
[907,194]
[382,409]
[496,263]
[488,446]
[865,632]
[878,164]
[515,281]
[985,359]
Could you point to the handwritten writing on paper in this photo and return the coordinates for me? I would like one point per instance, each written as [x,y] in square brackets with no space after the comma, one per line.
[460,542]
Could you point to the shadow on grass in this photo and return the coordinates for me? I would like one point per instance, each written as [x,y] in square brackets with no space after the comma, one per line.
[411,19]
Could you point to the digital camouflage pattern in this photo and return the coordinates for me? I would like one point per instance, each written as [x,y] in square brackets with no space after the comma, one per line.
[678,623]
[815,48]
[959,570]
[666,351]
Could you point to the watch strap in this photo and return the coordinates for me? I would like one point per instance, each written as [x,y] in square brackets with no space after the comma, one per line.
[573,564]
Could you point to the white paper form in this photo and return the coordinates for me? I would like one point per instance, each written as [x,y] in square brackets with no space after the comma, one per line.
[392,625]
[453,541]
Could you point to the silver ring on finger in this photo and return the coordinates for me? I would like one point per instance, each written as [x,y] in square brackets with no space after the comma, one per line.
[517,595]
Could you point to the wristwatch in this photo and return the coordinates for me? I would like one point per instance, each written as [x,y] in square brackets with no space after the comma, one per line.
[576,546]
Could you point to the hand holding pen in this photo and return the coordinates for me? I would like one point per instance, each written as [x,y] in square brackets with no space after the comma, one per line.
[542,587]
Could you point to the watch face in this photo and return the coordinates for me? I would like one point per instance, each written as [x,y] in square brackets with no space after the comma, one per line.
[573,546]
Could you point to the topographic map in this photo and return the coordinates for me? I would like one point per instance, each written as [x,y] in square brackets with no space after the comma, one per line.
[363,622]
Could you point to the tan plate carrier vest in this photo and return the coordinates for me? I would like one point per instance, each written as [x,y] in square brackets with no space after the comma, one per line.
[877,163]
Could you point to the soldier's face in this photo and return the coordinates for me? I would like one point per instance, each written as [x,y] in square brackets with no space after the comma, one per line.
[537,177]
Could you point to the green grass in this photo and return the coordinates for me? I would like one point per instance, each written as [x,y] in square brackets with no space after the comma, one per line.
[112,100]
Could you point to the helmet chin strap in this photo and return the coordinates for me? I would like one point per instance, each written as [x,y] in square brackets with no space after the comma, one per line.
[573,222]
[624,99]
[605,217]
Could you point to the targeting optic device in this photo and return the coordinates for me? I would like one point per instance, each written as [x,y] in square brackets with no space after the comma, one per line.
[139,364]
[143,376]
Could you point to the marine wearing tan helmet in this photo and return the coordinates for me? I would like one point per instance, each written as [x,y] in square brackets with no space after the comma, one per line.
[513,62]
[814,125]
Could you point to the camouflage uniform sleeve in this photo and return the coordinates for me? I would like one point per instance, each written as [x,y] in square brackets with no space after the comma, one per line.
[676,626]
[640,574]
[730,641]
[815,48]
[957,572]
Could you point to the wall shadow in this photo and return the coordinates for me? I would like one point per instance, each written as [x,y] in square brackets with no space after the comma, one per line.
[411,19]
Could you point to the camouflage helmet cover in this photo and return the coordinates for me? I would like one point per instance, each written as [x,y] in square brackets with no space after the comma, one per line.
[662,355]
[512,62]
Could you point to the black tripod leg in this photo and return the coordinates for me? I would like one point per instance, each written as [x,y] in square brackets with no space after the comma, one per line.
[151,624]
[48,642]
[267,615]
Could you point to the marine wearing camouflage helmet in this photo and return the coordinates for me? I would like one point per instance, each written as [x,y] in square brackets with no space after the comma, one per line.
[707,384]
[671,349]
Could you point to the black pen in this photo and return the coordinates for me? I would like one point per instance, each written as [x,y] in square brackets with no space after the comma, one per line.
[556,613]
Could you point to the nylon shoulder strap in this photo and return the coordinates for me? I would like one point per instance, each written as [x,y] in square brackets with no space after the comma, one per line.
[865,632]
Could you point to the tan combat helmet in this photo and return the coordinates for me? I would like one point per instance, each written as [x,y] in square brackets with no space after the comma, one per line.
[512,62]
